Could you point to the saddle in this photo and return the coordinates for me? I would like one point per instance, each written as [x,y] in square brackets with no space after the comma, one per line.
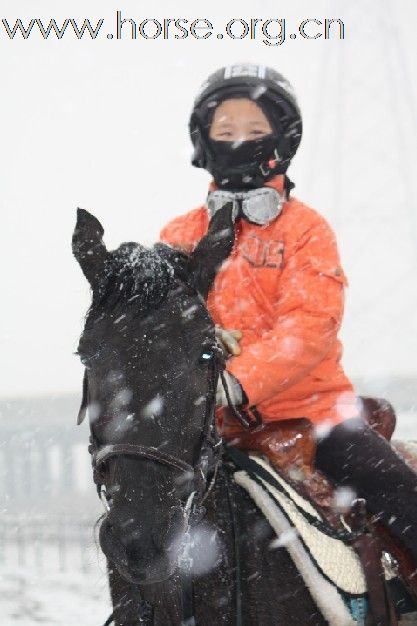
[290,447]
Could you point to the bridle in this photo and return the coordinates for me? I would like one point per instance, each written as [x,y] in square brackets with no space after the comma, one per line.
[209,450]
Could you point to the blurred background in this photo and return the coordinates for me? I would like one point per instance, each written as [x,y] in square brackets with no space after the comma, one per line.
[103,125]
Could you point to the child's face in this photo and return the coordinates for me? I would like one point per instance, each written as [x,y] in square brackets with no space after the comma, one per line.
[239,119]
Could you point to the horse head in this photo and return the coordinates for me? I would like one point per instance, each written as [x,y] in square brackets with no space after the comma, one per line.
[151,367]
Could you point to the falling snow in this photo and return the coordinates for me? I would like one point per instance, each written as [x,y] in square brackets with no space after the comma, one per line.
[199,551]
[153,407]
[343,498]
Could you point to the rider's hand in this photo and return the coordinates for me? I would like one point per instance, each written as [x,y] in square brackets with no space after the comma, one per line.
[229,340]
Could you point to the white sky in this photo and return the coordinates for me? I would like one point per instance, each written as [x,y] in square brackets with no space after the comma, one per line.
[103,125]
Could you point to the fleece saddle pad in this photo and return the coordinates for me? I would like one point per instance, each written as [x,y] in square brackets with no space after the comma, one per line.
[330,568]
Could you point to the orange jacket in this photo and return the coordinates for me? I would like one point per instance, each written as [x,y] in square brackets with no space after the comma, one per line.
[283,287]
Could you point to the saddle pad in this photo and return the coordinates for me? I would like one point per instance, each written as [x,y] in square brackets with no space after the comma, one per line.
[336,562]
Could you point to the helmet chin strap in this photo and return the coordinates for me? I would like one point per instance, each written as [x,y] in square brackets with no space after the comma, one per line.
[259,206]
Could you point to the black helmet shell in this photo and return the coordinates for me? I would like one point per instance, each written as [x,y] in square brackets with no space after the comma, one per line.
[271,91]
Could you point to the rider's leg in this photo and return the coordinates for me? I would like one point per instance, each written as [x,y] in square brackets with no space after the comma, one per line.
[355,455]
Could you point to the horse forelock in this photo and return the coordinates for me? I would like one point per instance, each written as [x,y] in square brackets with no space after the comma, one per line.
[134,278]
[134,274]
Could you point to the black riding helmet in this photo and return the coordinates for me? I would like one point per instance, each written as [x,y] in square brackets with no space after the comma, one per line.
[274,95]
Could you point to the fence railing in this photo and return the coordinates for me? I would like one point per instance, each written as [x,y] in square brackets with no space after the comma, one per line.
[33,467]
[59,544]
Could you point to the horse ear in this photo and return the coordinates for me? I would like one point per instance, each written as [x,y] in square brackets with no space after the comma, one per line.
[212,249]
[88,247]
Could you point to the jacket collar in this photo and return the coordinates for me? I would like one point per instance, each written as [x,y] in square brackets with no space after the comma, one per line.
[277,182]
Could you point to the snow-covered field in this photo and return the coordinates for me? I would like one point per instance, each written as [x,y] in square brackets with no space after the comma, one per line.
[30,598]
[53,587]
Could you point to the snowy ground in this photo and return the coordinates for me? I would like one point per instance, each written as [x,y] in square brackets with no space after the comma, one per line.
[45,584]
[58,599]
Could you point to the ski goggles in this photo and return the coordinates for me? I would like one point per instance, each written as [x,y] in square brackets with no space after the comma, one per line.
[259,206]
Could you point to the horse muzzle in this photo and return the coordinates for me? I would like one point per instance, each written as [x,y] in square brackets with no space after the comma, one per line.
[140,557]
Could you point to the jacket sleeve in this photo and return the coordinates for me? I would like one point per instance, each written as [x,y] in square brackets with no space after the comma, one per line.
[307,316]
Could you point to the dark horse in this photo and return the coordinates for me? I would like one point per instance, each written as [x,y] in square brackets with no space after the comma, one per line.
[184,543]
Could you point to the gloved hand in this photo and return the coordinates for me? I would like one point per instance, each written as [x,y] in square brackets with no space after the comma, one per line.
[236,393]
[229,340]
